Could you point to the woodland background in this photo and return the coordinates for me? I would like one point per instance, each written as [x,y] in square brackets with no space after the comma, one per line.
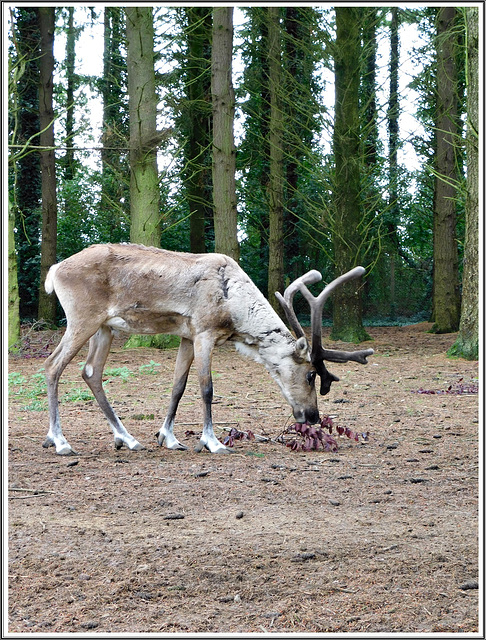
[292,162]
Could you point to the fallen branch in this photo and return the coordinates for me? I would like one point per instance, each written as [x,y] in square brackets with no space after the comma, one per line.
[32,495]
[34,491]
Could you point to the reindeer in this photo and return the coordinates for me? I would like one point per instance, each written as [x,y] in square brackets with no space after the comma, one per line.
[206,299]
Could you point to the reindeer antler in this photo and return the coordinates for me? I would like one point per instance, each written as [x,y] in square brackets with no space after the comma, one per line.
[316,304]
[287,299]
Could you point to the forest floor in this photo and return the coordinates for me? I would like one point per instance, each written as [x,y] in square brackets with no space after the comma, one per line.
[378,536]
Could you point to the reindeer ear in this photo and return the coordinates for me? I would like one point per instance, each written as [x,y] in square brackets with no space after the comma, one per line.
[301,349]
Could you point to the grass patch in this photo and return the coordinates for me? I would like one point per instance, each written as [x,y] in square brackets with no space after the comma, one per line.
[118,372]
[32,392]
[158,341]
[77,395]
[149,368]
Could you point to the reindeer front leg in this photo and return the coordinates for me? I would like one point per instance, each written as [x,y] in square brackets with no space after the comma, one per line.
[203,351]
[185,356]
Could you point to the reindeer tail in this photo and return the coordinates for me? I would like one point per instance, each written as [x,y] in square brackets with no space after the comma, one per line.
[49,283]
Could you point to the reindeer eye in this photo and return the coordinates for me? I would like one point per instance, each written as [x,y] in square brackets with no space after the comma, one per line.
[311,376]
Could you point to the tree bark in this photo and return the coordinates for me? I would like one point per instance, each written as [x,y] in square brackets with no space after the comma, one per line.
[467,343]
[275,189]
[197,123]
[297,130]
[347,308]
[369,114]
[224,154]
[47,303]
[13,286]
[144,182]
[27,168]
[446,297]
[70,70]
[393,141]
[114,212]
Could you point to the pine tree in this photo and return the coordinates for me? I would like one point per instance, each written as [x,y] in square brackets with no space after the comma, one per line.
[144,182]
[276,167]
[393,113]
[113,218]
[46,17]
[347,306]
[446,302]
[224,155]
[195,123]
[254,151]
[301,52]
[25,168]
[13,286]
[467,343]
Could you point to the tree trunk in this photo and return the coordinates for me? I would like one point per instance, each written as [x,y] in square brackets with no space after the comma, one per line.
[70,69]
[296,39]
[13,287]
[197,123]
[113,216]
[144,182]
[446,301]
[368,111]
[276,238]
[467,343]
[27,168]
[347,309]
[299,90]
[47,303]
[393,141]
[224,154]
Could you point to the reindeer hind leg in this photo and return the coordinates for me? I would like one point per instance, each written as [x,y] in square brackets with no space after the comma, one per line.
[55,364]
[99,347]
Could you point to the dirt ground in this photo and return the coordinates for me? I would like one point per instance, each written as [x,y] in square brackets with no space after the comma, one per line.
[380,536]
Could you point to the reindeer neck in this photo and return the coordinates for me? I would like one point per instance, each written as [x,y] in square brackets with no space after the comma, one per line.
[255,321]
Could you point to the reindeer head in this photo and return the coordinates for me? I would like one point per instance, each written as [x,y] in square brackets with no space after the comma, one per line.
[295,375]
[317,353]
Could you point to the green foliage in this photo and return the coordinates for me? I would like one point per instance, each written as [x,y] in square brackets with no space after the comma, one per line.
[158,341]
[93,188]
[303,112]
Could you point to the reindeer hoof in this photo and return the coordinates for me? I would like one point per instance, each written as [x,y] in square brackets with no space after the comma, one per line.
[220,448]
[170,442]
[133,444]
[66,450]
[48,443]
[178,447]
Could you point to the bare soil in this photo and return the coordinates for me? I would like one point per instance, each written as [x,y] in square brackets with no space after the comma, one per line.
[380,536]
